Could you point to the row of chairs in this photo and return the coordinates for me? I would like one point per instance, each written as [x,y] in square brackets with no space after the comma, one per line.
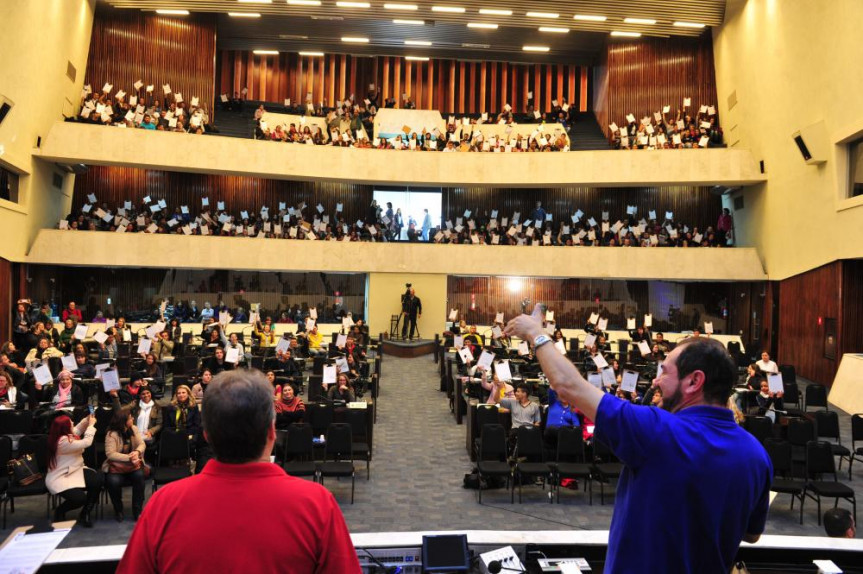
[528,461]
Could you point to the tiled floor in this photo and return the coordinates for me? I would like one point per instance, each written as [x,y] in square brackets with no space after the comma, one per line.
[416,481]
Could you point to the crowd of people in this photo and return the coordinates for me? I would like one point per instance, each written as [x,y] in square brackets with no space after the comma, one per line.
[382,224]
[686,130]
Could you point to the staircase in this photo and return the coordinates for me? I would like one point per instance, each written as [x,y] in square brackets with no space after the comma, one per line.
[236,124]
[585,133]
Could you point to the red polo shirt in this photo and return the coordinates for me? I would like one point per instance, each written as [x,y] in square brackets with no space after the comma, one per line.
[241,518]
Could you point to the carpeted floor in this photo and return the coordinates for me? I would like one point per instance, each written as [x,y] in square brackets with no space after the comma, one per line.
[416,479]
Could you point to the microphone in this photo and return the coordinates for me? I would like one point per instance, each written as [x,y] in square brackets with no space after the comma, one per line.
[495,566]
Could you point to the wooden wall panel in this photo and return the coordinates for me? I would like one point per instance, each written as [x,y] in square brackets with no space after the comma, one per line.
[476,87]
[129,45]
[803,300]
[852,307]
[115,185]
[691,206]
[648,73]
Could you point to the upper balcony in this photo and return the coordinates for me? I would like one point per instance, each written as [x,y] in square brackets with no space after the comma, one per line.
[71,143]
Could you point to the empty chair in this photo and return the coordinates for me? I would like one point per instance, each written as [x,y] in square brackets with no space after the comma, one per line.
[800,433]
[791,396]
[759,427]
[172,462]
[320,417]
[485,415]
[856,435]
[816,396]
[780,455]
[569,461]
[491,455]
[606,467]
[528,446]
[789,374]
[827,426]
[339,455]
[16,422]
[819,462]
[361,446]
[299,451]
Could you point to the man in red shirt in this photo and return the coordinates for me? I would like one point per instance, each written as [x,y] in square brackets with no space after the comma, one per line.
[72,312]
[242,513]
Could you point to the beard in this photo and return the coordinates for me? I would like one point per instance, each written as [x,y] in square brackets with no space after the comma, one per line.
[670,403]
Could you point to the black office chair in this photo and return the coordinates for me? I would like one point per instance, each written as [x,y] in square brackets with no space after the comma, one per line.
[606,467]
[827,427]
[528,446]
[856,435]
[338,455]
[172,462]
[15,423]
[780,455]
[800,433]
[759,427]
[485,415]
[299,451]
[789,374]
[819,462]
[791,396]
[492,456]
[570,461]
[816,396]
[320,417]
[359,430]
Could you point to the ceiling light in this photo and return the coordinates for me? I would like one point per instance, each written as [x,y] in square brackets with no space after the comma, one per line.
[542,15]
[495,12]
[304,2]
[410,22]
[244,15]
[355,40]
[255,1]
[400,6]
[482,25]
[589,18]
[353,4]
[453,9]
[476,45]
[689,25]
[173,12]
[417,58]
[536,48]
[554,30]
[265,52]
[626,34]
[639,21]
[417,43]
[311,53]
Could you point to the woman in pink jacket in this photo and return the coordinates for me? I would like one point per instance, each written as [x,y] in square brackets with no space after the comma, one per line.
[68,477]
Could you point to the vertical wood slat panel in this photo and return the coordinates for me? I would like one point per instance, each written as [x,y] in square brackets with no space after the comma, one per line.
[504,85]
[525,88]
[559,88]
[385,84]
[331,83]
[418,92]
[397,86]
[583,93]
[430,87]
[451,91]
[461,88]
[473,89]
[343,74]
[483,74]
[548,87]
[127,46]
[492,105]
[537,86]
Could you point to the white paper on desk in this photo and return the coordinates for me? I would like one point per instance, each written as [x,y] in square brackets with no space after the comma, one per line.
[144,346]
[465,354]
[595,379]
[342,365]
[599,361]
[630,324]
[643,348]
[485,360]
[80,332]
[629,380]
[341,341]
[708,327]
[110,380]
[648,320]
[561,348]
[100,337]
[602,324]
[232,355]
[458,342]
[43,375]
[329,374]
[774,381]
[27,553]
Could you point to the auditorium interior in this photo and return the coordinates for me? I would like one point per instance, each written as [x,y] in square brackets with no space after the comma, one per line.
[741,220]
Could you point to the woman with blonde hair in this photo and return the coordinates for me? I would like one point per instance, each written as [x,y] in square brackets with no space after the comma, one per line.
[183,414]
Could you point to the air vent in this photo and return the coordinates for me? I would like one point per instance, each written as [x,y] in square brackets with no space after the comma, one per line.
[738,203]
[71,72]
[58,180]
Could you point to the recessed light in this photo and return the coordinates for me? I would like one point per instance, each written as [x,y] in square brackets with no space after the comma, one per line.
[536,48]
[400,6]
[417,43]
[255,1]
[495,12]
[626,34]
[589,18]
[266,52]
[542,15]
[453,9]
[355,40]
[311,53]
[173,12]
[689,25]
[304,2]
[482,25]
[353,4]
[417,58]
[554,30]
[639,21]
[476,45]
[410,22]
[244,15]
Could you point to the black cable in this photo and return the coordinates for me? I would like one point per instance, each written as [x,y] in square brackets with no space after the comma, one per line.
[381,565]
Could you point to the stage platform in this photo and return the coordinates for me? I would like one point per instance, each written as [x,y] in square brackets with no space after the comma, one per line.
[408,349]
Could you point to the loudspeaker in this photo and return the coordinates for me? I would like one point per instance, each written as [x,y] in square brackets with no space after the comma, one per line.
[5,106]
[812,143]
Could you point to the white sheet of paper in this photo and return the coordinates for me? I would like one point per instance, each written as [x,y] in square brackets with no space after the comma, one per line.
[341,341]
[69,362]
[465,354]
[100,337]
[599,361]
[602,324]
[648,320]
[232,355]
[549,316]
[561,348]
[110,380]
[485,360]
[589,340]
[643,348]
[594,317]
[630,324]
[43,374]
[708,327]
[458,342]
[27,553]
[80,332]
[310,323]
[329,374]
[774,381]
[608,377]
[629,380]
[595,379]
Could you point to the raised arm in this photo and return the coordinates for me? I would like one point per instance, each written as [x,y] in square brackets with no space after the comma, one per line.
[562,374]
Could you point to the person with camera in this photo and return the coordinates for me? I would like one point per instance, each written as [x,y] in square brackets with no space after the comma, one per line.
[412,309]
[67,476]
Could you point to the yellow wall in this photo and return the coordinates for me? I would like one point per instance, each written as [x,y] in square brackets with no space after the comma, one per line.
[385,291]
[38,38]
[793,63]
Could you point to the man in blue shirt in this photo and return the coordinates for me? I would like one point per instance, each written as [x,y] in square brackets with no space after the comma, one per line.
[694,483]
